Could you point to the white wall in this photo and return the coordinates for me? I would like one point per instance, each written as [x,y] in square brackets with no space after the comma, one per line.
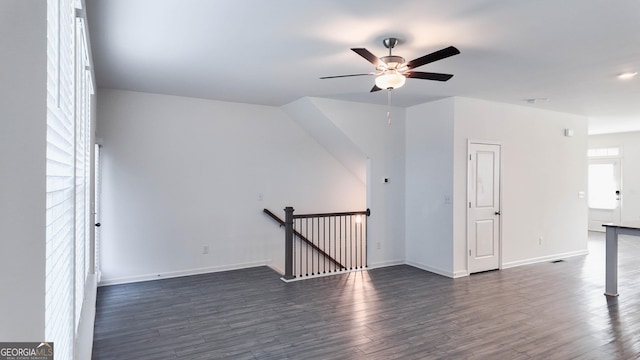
[180,173]
[367,127]
[543,173]
[315,123]
[23,112]
[629,144]
[429,189]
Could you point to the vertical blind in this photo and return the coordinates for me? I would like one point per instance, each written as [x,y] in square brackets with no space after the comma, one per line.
[68,165]
[82,166]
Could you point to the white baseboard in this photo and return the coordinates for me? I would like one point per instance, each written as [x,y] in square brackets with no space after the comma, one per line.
[460,273]
[322,275]
[387,263]
[84,339]
[544,258]
[167,275]
[432,269]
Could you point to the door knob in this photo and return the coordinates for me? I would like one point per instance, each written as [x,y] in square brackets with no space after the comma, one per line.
[98,224]
[498,212]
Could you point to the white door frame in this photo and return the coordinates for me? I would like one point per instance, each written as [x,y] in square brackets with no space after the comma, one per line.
[483,142]
[619,160]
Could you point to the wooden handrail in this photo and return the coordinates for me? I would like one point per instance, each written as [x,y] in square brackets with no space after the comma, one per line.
[304,216]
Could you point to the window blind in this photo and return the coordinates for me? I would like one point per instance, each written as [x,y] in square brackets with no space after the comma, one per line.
[68,165]
[60,178]
[82,164]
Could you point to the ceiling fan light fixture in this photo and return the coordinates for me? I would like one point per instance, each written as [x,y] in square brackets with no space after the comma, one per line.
[390,79]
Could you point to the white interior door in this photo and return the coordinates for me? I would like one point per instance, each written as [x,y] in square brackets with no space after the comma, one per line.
[604,192]
[483,225]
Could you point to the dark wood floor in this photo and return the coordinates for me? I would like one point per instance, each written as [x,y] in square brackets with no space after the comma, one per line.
[541,311]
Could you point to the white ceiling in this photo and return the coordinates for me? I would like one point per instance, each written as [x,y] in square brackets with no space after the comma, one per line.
[273,52]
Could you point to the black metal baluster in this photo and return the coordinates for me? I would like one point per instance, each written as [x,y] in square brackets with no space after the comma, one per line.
[293,252]
[329,252]
[313,268]
[335,253]
[366,241]
[324,245]
[300,248]
[355,242]
[345,249]
[306,234]
[346,244]
[361,240]
[350,242]
[318,244]
[340,242]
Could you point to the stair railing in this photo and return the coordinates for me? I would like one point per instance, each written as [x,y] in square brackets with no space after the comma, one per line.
[317,244]
[303,238]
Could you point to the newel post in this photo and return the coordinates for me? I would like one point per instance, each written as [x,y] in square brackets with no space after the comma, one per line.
[288,243]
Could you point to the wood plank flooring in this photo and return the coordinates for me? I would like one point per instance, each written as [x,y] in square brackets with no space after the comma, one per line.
[541,311]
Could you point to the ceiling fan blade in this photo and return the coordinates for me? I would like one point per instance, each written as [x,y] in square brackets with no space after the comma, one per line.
[341,76]
[434,56]
[375,88]
[428,76]
[368,55]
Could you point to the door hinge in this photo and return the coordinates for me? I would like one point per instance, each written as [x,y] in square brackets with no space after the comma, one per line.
[469,204]
[469,252]
[469,157]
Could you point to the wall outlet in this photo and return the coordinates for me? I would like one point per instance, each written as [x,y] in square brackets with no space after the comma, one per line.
[386,180]
[378,245]
[540,240]
[260,197]
[447,200]
[205,249]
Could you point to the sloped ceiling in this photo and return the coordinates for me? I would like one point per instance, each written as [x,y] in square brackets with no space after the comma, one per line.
[273,52]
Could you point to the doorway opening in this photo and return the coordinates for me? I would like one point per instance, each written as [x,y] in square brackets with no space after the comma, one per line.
[604,187]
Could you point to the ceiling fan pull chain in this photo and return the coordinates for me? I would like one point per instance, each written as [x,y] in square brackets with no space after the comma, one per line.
[389,106]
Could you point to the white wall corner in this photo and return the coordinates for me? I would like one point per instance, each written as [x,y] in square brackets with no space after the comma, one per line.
[84,338]
[386,263]
[460,273]
[275,267]
[443,272]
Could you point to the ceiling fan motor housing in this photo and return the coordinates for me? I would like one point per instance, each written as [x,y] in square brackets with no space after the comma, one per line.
[391,62]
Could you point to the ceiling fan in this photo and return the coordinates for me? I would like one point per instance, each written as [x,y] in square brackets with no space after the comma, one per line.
[392,71]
